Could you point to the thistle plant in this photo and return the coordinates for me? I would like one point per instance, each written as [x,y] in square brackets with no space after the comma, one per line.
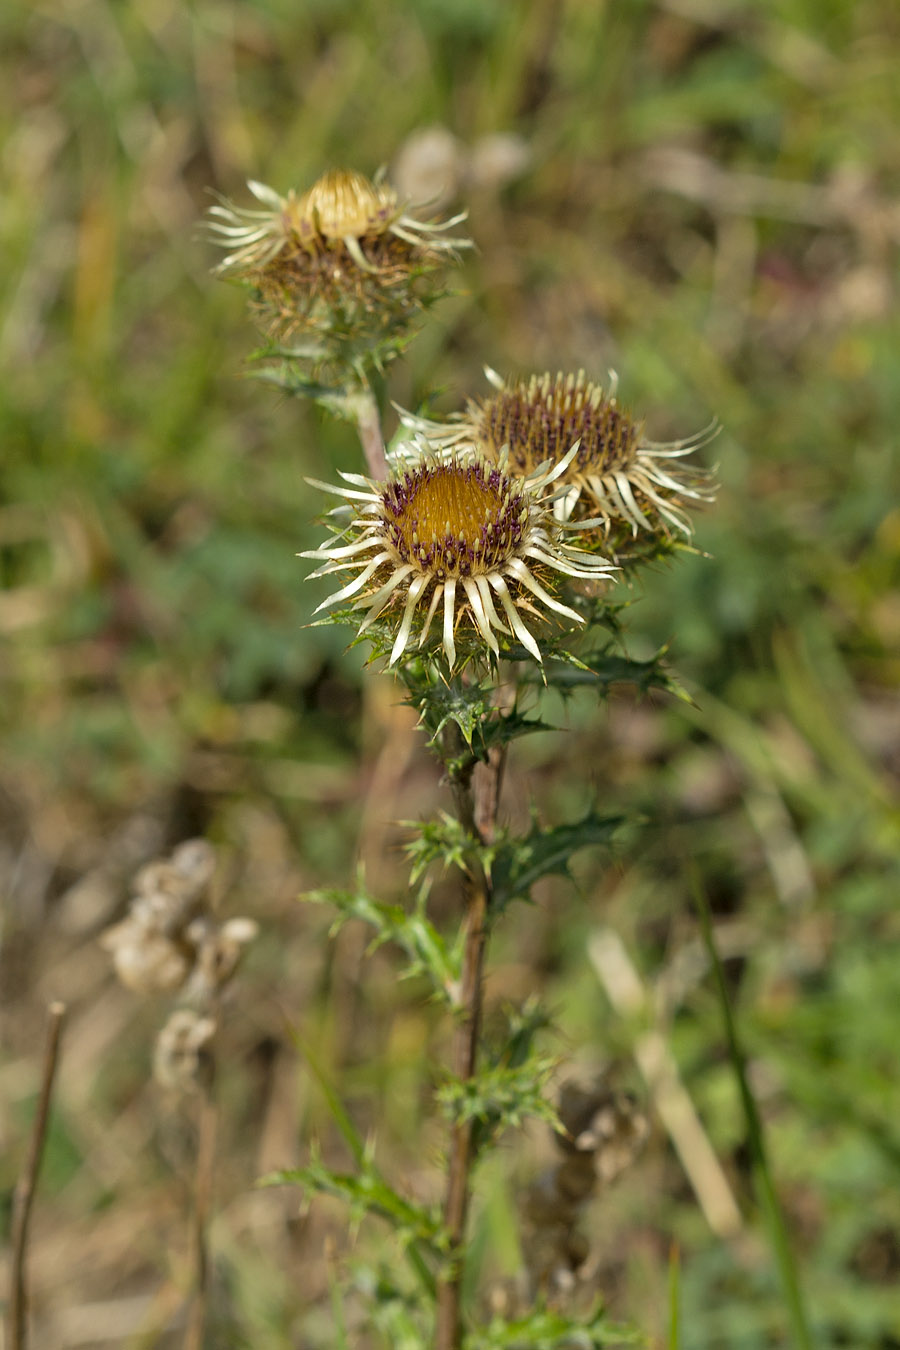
[480,562]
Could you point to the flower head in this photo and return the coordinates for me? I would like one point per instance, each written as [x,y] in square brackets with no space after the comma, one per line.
[460,534]
[343,256]
[617,477]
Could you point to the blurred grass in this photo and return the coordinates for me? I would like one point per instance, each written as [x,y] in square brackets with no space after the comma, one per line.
[710,205]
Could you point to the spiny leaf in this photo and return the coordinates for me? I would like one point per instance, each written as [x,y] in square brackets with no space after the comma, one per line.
[524,1025]
[426,949]
[366,1192]
[445,841]
[286,378]
[440,702]
[519,863]
[508,727]
[510,1084]
[547,1329]
[472,707]
[402,1315]
[603,668]
[501,1096]
[362,1156]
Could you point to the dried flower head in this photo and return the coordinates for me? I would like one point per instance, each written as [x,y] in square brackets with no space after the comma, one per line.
[168,940]
[341,261]
[631,485]
[456,533]
[149,947]
[181,1053]
[217,949]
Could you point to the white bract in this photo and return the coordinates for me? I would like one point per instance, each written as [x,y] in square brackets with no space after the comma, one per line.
[461,535]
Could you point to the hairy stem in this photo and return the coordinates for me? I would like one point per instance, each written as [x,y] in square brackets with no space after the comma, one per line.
[488,783]
[27,1185]
[476,797]
[368,427]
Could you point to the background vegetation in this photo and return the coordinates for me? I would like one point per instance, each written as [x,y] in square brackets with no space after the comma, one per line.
[702,194]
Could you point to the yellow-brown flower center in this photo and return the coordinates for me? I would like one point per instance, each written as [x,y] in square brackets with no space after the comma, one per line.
[344,202]
[455,519]
[542,418]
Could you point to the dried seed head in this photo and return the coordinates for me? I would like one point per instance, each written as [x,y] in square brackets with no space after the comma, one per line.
[609,1127]
[170,891]
[180,1058]
[543,417]
[168,940]
[146,961]
[217,951]
[632,488]
[149,948]
[341,265]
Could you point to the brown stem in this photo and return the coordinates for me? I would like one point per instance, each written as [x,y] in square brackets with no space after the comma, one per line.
[488,783]
[368,426]
[203,1185]
[476,800]
[27,1184]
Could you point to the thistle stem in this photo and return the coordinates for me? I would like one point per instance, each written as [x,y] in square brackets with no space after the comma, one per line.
[368,427]
[476,797]
[488,783]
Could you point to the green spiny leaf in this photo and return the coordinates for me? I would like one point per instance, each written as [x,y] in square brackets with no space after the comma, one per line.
[445,841]
[441,702]
[507,727]
[426,948]
[366,1193]
[501,1097]
[519,863]
[547,1329]
[524,1025]
[603,668]
[402,1315]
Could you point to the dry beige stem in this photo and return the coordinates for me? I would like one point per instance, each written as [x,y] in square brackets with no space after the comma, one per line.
[676,1110]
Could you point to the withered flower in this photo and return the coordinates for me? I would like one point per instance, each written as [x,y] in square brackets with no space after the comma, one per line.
[629,485]
[150,949]
[181,1051]
[169,940]
[342,262]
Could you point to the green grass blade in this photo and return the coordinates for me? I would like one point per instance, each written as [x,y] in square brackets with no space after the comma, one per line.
[357,1146]
[348,1130]
[762,1176]
[337,1309]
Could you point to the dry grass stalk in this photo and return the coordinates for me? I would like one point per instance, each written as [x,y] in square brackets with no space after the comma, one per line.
[171,942]
[26,1186]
